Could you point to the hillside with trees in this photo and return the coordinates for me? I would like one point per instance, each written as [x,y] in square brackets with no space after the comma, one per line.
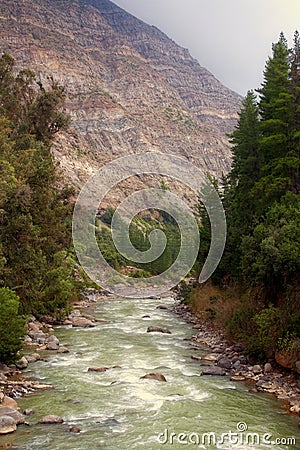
[36,263]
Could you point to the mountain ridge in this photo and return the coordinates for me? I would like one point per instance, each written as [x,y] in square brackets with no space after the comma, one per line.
[130,87]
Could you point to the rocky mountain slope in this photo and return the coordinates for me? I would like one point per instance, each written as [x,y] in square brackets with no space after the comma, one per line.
[130,88]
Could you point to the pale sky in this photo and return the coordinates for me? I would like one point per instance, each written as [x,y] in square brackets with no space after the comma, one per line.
[231,38]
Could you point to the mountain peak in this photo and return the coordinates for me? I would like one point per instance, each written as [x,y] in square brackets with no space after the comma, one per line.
[130,87]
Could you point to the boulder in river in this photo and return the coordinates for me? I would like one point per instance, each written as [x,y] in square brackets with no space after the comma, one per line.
[7,425]
[82,322]
[74,429]
[154,376]
[13,413]
[51,419]
[22,363]
[33,357]
[162,307]
[98,369]
[196,357]
[214,371]
[52,346]
[211,357]
[158,330]
[38,337]
[63,349]
[9,402]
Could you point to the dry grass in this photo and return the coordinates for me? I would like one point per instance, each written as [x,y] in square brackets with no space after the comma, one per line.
[213,304]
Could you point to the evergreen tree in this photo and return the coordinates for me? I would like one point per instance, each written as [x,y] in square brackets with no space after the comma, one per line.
[35,212]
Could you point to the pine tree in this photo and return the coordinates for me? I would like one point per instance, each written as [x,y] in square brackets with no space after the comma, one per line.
[239,204]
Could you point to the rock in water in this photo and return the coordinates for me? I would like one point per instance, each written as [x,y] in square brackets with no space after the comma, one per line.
[214,371]
[16,415]
[82,322]
[154,376]
[51,419]
[22,363]
[52,346]
[97,369]
[158,330]
[7,425]
[74,429]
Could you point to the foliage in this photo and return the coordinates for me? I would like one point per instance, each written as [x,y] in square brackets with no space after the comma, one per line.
[12,325]
[35,210]
[261,200]
[139,230]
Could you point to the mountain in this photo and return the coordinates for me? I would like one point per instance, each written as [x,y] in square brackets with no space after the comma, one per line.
[130,88]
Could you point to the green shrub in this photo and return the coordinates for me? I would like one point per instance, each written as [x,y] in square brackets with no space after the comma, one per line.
[12,325]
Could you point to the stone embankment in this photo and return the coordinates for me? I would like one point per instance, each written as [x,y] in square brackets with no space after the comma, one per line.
[227,358]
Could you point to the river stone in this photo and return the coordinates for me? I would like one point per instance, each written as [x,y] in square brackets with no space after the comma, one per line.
[162,307]
[34,357]
[211,357]
[224,362]
[7,425]
[214,371]
[267,368]
[295,409]
[237,378]
[16,415]
[52,346]
[51,419]
[63,350]
[28,411]
[22,363]
[158,330]
[53,338]
[33,327]
[82,322]
[9,402]
[74,429]
[154,376]
[256,369]
[38,337]
[97,369]
[196,358]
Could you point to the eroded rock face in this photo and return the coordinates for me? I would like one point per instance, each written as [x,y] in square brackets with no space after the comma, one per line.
[130,88]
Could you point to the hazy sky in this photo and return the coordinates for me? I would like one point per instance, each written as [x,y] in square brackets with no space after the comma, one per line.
[231,38]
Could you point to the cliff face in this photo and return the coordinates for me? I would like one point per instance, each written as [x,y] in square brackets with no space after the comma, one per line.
[130,88]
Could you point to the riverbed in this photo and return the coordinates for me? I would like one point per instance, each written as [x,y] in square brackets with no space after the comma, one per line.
[116,409]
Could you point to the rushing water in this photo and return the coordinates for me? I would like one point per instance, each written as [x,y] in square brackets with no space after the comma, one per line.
[116,410]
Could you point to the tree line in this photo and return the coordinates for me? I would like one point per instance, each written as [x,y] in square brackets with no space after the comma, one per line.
[36,257]
[261,199]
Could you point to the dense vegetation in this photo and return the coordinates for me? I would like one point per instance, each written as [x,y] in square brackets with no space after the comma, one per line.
[262,203]
[36,265]
[139,230]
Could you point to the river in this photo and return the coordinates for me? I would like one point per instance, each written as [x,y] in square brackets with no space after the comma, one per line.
[116,410]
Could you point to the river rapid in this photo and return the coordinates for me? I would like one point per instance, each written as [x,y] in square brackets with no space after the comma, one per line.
[117,410]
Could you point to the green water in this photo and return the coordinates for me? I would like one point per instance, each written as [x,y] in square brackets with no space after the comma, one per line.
[118,410]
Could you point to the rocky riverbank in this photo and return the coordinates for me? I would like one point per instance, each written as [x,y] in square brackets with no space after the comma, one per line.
[227,358]
[39,341]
